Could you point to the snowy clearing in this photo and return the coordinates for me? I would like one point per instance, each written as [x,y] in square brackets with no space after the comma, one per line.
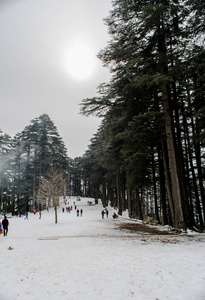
[91,258]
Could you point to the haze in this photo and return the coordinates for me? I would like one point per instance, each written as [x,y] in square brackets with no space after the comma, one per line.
[36,73]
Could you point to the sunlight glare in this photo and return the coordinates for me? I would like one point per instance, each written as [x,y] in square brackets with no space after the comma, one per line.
[80,60]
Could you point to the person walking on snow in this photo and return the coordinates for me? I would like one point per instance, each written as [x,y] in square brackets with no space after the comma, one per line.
[5,224]
[0,228]
[102,214]
[81,212]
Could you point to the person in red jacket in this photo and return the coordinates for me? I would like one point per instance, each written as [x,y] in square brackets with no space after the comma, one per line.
[0,228]
[5,224]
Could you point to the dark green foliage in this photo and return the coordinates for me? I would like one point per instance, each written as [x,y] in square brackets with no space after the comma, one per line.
[153,107]
[26,158]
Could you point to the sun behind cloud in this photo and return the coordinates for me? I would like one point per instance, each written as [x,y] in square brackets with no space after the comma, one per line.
[80,61]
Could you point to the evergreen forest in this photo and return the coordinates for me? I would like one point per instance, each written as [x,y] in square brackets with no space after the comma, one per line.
[148,155]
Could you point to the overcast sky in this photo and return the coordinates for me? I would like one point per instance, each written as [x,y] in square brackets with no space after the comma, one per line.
[37,75]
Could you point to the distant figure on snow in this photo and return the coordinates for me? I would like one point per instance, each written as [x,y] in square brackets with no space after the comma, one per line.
[26,217]
[5,224]
[103,213]
[77,212]
[81,212]
[0,228]
[115,216]
[39,214]
[107,213]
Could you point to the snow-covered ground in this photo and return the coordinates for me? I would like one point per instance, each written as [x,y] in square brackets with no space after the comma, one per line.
[88,258]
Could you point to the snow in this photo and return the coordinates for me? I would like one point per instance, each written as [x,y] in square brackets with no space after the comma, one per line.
[90,258]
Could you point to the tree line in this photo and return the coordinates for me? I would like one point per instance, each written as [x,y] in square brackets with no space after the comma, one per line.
[148,154]
[27,161]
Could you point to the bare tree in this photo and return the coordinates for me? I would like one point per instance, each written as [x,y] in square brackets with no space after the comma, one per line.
[54,185]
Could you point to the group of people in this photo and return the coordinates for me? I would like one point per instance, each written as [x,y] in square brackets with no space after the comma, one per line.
[4,226]
[79,211]
[105,211]
[70,208]
[25,214]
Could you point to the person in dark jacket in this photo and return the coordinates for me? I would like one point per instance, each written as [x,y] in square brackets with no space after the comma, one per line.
[5,224]
[102,213]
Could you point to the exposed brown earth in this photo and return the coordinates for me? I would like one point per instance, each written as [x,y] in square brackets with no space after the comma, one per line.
[146,229]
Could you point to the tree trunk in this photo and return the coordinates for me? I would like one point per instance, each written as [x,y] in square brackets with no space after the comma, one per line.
[96,194]
[162,188]
[56,214]
[200,175]
[119,199]
[139,204]
[167,179]
[194,180]
[34,186]
[155,187]
[104,194]
[111,196]
[123,192]
[129,195]
[176,206]
[180,155]
[178,217]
